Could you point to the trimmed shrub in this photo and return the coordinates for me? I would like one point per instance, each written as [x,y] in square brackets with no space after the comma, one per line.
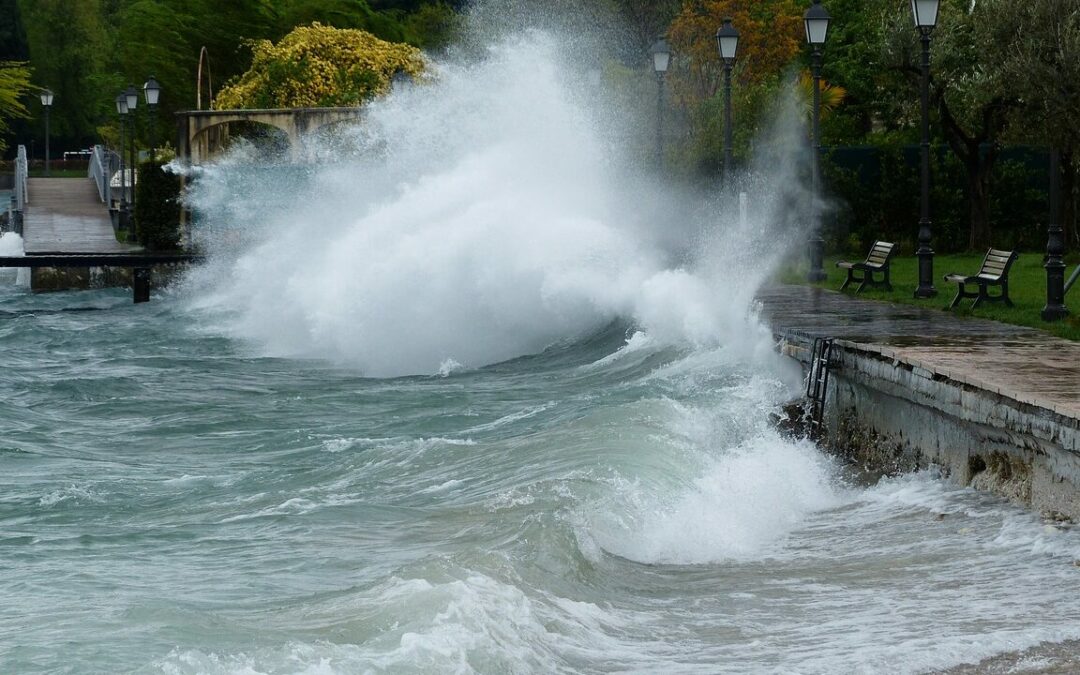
[157,208]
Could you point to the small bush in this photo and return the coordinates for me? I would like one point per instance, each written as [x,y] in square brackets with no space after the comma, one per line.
[157,208]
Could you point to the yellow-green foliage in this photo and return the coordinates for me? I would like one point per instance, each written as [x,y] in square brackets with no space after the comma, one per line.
[319,66]
[14,86]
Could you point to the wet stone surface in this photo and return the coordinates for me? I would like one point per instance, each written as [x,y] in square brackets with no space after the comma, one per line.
[1017,362]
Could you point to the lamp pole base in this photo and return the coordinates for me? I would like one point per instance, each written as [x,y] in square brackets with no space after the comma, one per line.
[926,274]
[1055,309]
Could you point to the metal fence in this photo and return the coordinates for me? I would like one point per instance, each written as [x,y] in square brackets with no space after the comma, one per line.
[103,164]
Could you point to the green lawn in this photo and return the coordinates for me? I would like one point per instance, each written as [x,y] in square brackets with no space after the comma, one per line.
[1027,288]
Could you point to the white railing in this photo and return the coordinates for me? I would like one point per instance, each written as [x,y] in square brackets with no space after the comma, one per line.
[22,168]
[101,170]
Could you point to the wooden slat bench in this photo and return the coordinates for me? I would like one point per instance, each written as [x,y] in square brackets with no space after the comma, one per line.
[877,261]
[994,272]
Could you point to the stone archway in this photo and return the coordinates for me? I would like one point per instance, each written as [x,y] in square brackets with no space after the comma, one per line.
[202,133]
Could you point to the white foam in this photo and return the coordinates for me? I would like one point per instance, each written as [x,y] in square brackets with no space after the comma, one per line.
[457,238]
[743,505]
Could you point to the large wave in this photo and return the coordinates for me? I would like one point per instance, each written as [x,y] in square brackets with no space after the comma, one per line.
[480,215]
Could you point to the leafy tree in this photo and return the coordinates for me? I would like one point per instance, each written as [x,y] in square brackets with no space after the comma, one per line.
[1042,66]
[14,85]
[157,208]
[771,35]
[12,35]
[68,50]
[967,90]
[320,66]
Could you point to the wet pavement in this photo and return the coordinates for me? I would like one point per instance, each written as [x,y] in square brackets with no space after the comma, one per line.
[1021,363]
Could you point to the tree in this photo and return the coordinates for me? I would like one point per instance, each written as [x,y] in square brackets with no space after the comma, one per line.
[1042,65]
[69,46]
[967,89]
[14,85]
[771,37]
[316,66]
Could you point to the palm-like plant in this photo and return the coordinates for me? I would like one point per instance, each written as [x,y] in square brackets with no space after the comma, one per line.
[14,85]
[832,95]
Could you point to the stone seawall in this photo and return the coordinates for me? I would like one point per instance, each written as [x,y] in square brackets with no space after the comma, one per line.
[894,415]
[994,406]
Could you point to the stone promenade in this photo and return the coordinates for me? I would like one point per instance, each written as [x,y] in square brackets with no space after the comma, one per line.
[1019,363]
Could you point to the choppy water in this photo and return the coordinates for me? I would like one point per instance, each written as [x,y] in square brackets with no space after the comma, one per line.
[173,502]
[565,466]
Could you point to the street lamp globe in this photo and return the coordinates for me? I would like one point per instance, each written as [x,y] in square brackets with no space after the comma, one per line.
[817,24]
[132,96]
[121,104]
[728,40]
[661,55]
[925,13]
[46,97]
[152,91]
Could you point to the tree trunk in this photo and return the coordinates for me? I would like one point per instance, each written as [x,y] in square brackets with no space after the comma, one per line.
[1068,198]
[978,189]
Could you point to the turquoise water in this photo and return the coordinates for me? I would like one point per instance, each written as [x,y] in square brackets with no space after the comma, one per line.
[469,392]
[174,502]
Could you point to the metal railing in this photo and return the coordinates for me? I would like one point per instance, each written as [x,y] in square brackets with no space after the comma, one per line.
[22,172]
[102,166]
[19,193]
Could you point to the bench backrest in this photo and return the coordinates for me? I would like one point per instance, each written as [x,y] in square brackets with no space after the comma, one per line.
[881,253]
[996,264]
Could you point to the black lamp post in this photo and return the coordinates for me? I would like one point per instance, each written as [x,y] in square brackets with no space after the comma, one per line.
[122,110]
[817,31]
[727,38]
[46,103]
[1055,308]
[661,54]
[132,96]
[152,91]
[925,13]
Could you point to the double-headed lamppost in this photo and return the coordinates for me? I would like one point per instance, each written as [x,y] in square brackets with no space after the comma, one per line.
[727,38]
[132,96]
[661,55]
[1055,308]
[122,110]
[46,103]
[817,31]
[926,14]
[152,91]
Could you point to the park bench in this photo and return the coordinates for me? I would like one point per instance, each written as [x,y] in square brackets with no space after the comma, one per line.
[876,262]
[994,272]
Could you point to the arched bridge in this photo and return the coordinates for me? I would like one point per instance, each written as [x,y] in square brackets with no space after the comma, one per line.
[204,132]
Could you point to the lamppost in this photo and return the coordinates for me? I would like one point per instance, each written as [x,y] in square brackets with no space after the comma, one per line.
[122,110]
[1055,308]
[817,31]
[152,91]
[925,13]
[661,55]
[46,103]
[132,96]
[727,38]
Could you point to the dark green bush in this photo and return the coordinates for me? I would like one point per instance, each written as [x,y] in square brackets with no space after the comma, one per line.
[157,208]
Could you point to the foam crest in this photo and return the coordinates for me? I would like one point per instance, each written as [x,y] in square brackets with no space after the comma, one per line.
[479,216]
[742,506]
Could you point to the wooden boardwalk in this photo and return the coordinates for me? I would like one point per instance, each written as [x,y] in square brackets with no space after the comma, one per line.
[65,215]
[1023,364]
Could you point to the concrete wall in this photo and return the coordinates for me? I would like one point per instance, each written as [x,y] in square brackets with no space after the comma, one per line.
[892,416]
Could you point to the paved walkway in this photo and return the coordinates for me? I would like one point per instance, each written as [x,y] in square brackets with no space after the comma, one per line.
[1024,364]
[65,215]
